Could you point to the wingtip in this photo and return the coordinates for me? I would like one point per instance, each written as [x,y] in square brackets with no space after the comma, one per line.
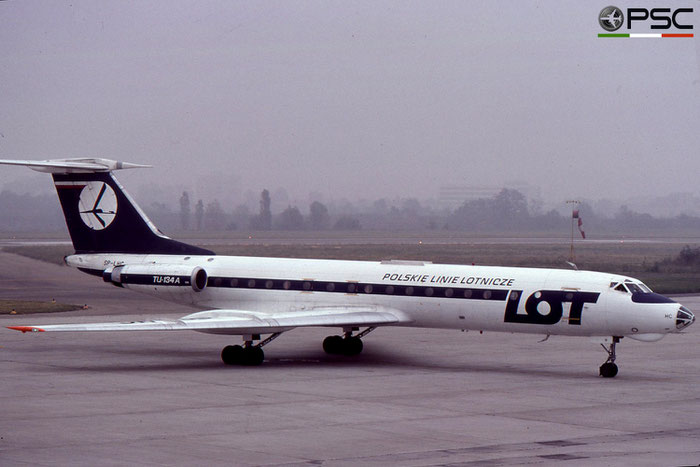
[25,328]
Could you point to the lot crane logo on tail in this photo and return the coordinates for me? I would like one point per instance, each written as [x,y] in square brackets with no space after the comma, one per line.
[98,205]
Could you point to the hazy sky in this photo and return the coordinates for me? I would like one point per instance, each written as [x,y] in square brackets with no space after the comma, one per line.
[352,99]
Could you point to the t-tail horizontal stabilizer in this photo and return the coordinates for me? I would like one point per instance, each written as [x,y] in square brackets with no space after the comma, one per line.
[78,165]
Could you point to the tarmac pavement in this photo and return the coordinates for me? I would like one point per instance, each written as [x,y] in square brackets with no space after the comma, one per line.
[414,397]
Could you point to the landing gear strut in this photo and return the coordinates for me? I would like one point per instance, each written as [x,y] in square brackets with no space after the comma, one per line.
[609,368]
[347,345]
[247,354]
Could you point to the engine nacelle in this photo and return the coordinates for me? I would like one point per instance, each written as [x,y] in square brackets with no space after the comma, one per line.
[157,275]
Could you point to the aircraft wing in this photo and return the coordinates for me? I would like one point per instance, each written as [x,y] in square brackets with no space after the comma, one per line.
[237,322]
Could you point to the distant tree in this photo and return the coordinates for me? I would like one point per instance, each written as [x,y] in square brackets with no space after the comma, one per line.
[510,208]
[553,221]
[241,216]
[473,215]
[347,223]
[410,207]
[290,219]
[214,217]
[199,214]
[687,222]
[185,211]
[626,219]
[318,216]
[380,206]
[688,256]
[264,219]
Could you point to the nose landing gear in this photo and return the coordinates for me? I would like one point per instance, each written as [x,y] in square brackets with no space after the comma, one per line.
[609,368]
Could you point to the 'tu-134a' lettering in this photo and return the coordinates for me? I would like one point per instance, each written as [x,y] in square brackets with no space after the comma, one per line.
[253,297]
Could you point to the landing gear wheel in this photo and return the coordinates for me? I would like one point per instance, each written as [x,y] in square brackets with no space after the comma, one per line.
[608,370]
[232,354]
[237,355]
[252,356]
[333,345]
[352,346]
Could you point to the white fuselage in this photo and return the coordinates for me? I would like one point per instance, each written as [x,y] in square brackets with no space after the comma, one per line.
[539,301]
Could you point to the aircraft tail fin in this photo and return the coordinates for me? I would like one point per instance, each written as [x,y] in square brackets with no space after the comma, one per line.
[100,215]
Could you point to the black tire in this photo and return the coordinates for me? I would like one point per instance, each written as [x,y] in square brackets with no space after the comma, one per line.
[608,370]
[232,354]
[352,346]
[333,345]
[253,356]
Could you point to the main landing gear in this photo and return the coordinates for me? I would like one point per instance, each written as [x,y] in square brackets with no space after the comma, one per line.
[250,354]
[609,368]
[347,344]
[247,354]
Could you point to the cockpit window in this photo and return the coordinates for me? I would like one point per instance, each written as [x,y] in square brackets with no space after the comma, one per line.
[630,287]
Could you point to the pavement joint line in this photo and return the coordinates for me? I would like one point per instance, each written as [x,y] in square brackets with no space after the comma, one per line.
[515,447]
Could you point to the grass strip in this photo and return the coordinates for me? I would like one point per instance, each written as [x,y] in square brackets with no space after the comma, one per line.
[26,307]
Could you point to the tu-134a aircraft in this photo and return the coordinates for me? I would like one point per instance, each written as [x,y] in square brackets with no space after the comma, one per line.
[261,298]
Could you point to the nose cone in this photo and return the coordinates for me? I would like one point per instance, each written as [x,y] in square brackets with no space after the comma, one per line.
[684,318]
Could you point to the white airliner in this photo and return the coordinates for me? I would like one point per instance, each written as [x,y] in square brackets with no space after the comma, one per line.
[254,297]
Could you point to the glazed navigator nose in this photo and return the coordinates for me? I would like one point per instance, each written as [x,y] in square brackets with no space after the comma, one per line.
[684,318]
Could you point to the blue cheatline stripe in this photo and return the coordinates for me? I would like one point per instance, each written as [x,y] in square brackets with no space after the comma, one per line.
[357,288]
